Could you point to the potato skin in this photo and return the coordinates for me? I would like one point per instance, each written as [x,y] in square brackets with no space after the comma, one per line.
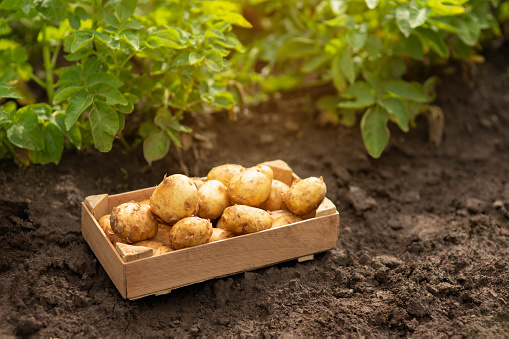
[275,200]
[190,231]
[220,234]
[163,234]
[251,187]
[176,197]
[242,219]
[225,172]
[213,199]
[305,195]
[104,222]
[285,220]
[133,222]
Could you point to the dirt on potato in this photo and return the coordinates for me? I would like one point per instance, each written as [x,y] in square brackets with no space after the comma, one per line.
[424,235]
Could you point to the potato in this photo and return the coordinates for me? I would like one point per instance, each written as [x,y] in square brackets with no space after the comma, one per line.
[275,201]
[104,222]
[190,231]
[285,220]
[220,224]
[278,213]
[144,202]
[163,234]
[220,234]
[176,197]
[198,181]
[305,195]
[133,222]
[224,173]
[157,246]
[213,199]
[250,187]
[242,219]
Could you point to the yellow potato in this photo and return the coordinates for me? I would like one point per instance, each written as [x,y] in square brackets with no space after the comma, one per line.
[275,201]
[198,181]
[190,231]
[145,202]
[176,197]
[104,222]
[224,173]
[278,213]
[133,222]
[305,195]
[220,224]
[163,234]
[285,220]
[157,246]
[242,219]
[220,234]
[250,187]
[213,199]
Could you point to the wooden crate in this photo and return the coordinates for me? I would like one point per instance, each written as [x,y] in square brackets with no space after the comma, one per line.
[318,232]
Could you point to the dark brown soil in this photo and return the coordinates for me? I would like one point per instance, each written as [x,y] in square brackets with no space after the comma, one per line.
[424,234]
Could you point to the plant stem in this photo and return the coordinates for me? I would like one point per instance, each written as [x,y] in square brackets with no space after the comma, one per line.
[48,66]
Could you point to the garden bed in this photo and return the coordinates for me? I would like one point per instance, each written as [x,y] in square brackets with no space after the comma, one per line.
[423,250]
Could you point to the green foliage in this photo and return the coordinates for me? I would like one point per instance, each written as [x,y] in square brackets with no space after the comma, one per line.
[163,57]
[366,49]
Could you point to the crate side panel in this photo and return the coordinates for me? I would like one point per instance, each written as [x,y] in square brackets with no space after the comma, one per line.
[243,253]
[103,250]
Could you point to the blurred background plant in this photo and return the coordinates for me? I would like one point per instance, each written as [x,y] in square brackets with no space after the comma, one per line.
[76,73]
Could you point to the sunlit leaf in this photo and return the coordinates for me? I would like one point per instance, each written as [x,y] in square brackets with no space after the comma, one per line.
[375,133]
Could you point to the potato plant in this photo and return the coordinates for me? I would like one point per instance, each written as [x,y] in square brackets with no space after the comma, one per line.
[100,60]
[367,50]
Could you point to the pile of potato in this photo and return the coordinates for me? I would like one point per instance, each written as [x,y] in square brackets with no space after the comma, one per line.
[232,200]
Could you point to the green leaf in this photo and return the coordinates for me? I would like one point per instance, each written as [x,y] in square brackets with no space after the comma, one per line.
[132,39]
[338,78]
[156,146]
[347,66]
[77,104]
[125,9]
[80,40]
[163,118]
[357,37]
[11,5]
[103,77]
[112,20]
[443,24]
[375,133]
[434,40]
[73,134]
[374,46]
[403,20]
[174,137]
[7,92]
[223,100]
[54,146]
[418,15]
[297,47]
[110,92]
[314,62]
[405,90]
[397,111]
[131,24]
[53,11]
[469,29]
[363,93]
[234,19]
[412,47]
[25,132]
[372,3]
[65,92]
[214,60]
[104,124]
[68,75]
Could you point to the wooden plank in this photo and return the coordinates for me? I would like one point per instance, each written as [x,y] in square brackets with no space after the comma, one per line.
[103,249]
[327,207]
[130,252]
[239,254]
[281,171]
[97,204]
[138,195]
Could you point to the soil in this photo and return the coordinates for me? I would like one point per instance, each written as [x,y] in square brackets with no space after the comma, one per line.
[423,249]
